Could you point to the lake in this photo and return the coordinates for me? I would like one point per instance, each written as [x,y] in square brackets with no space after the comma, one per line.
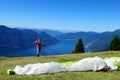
[63,47]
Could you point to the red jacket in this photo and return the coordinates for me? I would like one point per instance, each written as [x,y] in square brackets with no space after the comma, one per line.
[38,43]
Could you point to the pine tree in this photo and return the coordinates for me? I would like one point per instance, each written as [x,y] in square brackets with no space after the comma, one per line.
[79,47]
[115,44]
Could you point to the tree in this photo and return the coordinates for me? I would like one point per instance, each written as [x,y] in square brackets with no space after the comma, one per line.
[115,44]
[79,47]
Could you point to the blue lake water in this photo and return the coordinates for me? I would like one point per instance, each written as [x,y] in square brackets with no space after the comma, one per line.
[63,47]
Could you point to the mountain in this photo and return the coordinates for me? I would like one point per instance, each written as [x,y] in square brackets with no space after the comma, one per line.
[50,32]
[10,38]
[47,39]
[92,40]
[14,38]
[86,36]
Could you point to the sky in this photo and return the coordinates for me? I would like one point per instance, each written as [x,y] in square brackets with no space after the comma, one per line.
[72,15]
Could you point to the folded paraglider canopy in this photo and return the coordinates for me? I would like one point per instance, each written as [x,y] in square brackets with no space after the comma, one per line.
[86,64]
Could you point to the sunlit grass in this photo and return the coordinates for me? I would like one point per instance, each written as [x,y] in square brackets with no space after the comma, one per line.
[12,62]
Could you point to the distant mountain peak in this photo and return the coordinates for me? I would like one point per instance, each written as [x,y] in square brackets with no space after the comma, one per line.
[118,30]
[3,26]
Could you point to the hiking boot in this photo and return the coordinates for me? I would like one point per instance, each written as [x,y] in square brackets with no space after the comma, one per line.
[37,55]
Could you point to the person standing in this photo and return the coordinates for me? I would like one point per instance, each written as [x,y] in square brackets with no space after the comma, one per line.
[38,46]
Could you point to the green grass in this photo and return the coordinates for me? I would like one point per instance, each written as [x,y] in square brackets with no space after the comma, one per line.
[11,62]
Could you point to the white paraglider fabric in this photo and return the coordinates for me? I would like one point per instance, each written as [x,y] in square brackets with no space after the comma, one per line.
[86,64]
[40,68]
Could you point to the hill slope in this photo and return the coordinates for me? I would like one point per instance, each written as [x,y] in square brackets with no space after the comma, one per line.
[11,62]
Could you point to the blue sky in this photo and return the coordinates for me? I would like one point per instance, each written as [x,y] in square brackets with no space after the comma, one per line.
[76,15]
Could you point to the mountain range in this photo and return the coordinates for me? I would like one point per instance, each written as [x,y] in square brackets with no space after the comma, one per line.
[15,38]
[92,40]
[50,32]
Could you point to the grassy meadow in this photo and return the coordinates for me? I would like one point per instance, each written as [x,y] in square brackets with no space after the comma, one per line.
[11,62]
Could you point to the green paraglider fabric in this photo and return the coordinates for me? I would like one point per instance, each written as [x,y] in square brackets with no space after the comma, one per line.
[117,63]
[69,63]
